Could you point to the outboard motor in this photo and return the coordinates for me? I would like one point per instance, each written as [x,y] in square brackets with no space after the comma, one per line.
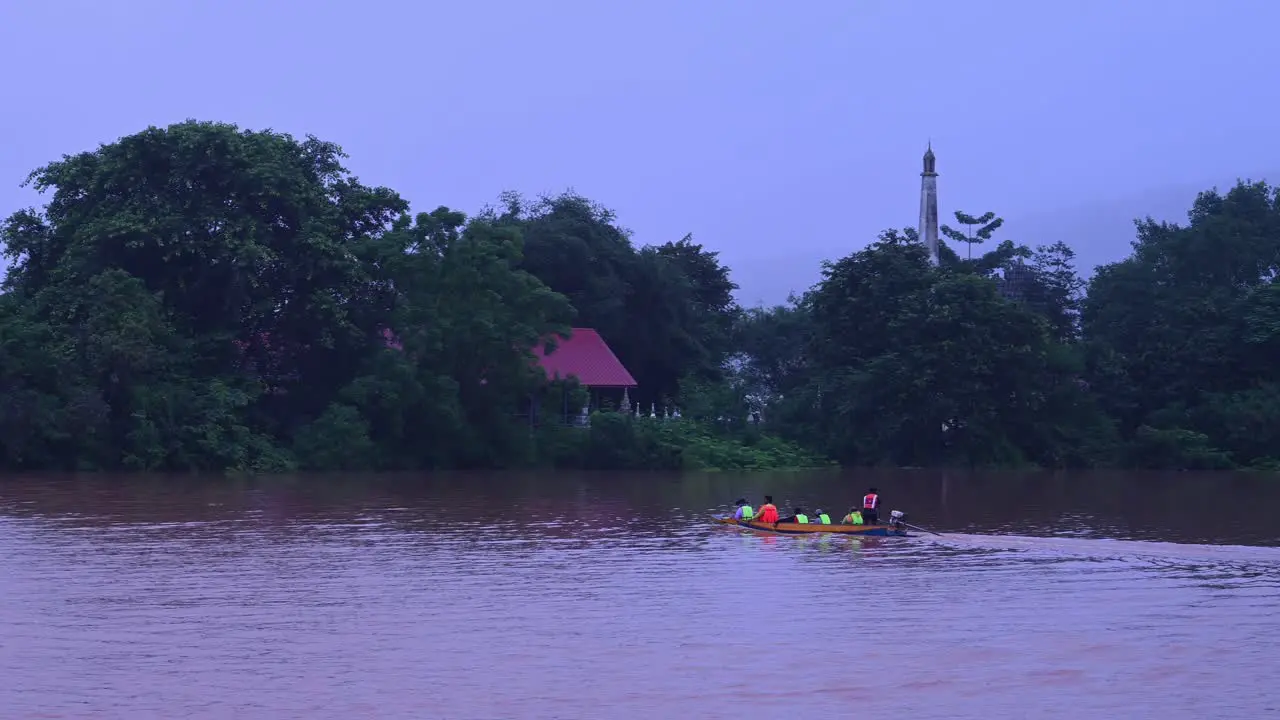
[898,520]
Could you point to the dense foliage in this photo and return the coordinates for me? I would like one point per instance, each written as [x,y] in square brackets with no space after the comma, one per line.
[204,297]
[1163,360]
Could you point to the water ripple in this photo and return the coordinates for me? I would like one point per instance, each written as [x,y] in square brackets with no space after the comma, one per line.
[244,605]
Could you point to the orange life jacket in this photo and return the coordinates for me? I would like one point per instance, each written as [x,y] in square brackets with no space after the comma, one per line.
[768,513]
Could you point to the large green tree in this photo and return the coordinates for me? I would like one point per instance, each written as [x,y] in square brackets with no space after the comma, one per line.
[916,365]
[1183,333]
[466,317]
[205,297]
[238,254]
[667,311]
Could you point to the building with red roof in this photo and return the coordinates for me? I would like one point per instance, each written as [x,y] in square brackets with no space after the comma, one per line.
[582,355]
[587,358]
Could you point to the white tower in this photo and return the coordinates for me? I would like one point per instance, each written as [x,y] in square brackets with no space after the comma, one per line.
[929,205]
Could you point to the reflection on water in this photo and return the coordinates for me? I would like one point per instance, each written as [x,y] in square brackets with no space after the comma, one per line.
[613,596]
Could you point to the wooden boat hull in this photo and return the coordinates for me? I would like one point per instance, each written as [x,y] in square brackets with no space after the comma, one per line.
[811,528]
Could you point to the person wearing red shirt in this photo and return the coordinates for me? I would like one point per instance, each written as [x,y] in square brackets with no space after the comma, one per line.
[768,511]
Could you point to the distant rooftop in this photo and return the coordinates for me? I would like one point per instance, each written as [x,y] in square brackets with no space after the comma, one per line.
[586,356]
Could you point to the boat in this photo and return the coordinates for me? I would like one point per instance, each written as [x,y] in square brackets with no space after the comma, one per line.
[895,529]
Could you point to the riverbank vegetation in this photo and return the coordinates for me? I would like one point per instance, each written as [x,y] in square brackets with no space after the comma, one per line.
[199,297]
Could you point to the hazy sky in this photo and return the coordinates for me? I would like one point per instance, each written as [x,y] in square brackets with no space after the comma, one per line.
[780,133]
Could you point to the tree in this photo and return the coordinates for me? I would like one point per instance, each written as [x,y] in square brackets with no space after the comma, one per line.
[771,345]
[710,293]
[242,248]
[916,365]
[1180,333]
[667,311]
[201,297]
[493,312]
[205,297]
[977,229]
[1058,290]
[574,246]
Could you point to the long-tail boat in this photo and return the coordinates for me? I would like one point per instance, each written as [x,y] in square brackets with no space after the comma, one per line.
[896,527]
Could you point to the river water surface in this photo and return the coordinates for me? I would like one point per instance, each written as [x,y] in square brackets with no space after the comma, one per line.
[613,596]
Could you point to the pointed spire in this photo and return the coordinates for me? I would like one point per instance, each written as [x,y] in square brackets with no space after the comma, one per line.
[929,160]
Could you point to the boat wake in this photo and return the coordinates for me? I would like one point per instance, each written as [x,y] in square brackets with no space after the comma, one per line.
[1108,549]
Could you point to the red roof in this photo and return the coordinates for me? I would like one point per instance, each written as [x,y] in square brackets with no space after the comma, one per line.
[586,356]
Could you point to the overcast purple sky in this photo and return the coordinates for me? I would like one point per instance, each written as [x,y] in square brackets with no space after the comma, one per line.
[779,133]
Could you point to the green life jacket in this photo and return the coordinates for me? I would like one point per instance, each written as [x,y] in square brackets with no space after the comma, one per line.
[747,512]
[825,519]
[802,518]
[856,518]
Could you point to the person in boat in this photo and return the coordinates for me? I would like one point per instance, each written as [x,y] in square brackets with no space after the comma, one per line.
[823,518]
[743,511]
[871,507]
[853,518]
[797,517]
[768,511]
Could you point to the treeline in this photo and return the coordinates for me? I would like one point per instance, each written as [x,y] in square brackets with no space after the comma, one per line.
[1165,360]
[200,297]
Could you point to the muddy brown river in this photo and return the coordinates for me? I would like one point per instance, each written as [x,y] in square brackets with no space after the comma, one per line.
[614,596]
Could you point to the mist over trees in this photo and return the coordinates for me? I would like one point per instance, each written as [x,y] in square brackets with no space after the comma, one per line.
[201,297]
